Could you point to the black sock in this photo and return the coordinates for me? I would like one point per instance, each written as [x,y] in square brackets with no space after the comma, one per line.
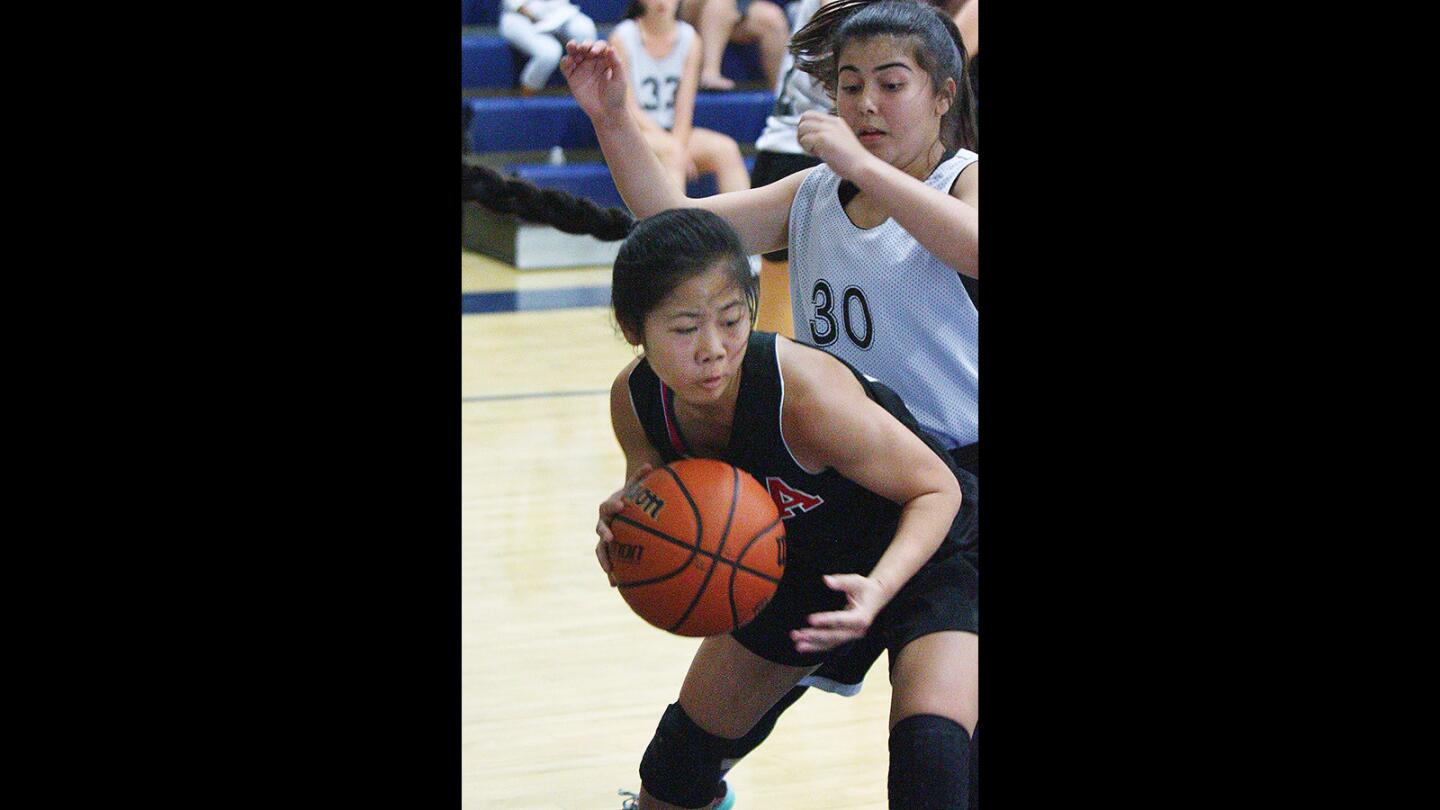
[975,769]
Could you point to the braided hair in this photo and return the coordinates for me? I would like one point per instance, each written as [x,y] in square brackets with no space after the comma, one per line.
[547,206]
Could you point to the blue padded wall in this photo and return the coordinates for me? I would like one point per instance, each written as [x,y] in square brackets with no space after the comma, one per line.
[739,114]
[520,124]
[602,11]
[486,62]
[511,124]
[479,12]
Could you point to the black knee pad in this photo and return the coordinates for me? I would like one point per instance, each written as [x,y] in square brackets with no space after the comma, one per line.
[929,764]
[682,764]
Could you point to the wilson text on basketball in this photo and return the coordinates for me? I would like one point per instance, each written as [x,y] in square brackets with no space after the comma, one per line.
[647,501]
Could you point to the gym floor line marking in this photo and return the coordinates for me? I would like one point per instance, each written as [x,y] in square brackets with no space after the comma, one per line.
[476,303]
[536,395]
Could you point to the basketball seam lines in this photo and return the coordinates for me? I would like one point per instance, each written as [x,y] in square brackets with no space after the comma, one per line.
[719,547]
[693,553]
[735,571]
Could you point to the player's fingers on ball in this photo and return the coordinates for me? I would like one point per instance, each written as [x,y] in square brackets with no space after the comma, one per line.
[602,556]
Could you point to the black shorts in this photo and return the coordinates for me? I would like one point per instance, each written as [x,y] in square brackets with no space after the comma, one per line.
[943,595]
[844,670]
[772,166]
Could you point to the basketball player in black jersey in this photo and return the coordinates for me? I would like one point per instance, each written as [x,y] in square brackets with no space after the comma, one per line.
[881,530]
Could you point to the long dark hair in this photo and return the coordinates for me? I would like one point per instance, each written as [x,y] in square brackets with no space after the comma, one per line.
[939,51]
[547,206]
[666,250]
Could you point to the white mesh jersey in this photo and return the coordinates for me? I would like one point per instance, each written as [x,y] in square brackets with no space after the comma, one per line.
[880,300]
[655,81]
[795,93]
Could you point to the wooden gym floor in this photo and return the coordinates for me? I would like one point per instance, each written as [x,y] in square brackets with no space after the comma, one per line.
[561,684]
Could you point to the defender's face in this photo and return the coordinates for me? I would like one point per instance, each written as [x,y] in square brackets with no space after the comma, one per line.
[887,100]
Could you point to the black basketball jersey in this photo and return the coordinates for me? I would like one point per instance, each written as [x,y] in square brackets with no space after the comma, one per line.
[832,524]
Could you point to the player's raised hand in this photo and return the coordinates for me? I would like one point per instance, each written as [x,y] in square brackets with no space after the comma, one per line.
[609,508]
[829,138]
[596,77]
[864,599]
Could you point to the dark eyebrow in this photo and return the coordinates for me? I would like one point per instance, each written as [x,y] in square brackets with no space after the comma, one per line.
[885,66]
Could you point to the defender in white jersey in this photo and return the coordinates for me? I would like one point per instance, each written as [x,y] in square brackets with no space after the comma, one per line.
[878,299]
[662,58]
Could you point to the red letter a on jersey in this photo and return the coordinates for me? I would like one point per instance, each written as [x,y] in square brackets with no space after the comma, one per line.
[788,500]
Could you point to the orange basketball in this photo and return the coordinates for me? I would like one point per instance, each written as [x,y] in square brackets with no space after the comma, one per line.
[699,547]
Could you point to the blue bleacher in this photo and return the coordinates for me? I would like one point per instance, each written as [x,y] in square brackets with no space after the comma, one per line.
[593,181]
[512,124]
[487,60]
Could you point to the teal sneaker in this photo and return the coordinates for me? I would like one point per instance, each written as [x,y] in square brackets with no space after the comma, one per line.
[725,801]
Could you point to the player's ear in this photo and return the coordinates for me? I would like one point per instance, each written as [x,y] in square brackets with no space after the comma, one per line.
[632,334]
[945,97]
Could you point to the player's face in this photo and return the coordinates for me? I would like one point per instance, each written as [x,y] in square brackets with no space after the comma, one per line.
[887,100]
[696,338]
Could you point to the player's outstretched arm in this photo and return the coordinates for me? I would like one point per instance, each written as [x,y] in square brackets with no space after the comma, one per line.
[597,80]
[830,422]
[596,76]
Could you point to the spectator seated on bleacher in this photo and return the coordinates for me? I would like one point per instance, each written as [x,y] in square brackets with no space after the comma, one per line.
[661,55]
[743,22]
[540,28]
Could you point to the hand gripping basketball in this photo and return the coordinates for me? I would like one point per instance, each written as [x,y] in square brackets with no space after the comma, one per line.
[609,508]
[699,547]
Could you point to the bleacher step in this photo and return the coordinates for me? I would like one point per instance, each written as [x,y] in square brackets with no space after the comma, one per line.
[528,246]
